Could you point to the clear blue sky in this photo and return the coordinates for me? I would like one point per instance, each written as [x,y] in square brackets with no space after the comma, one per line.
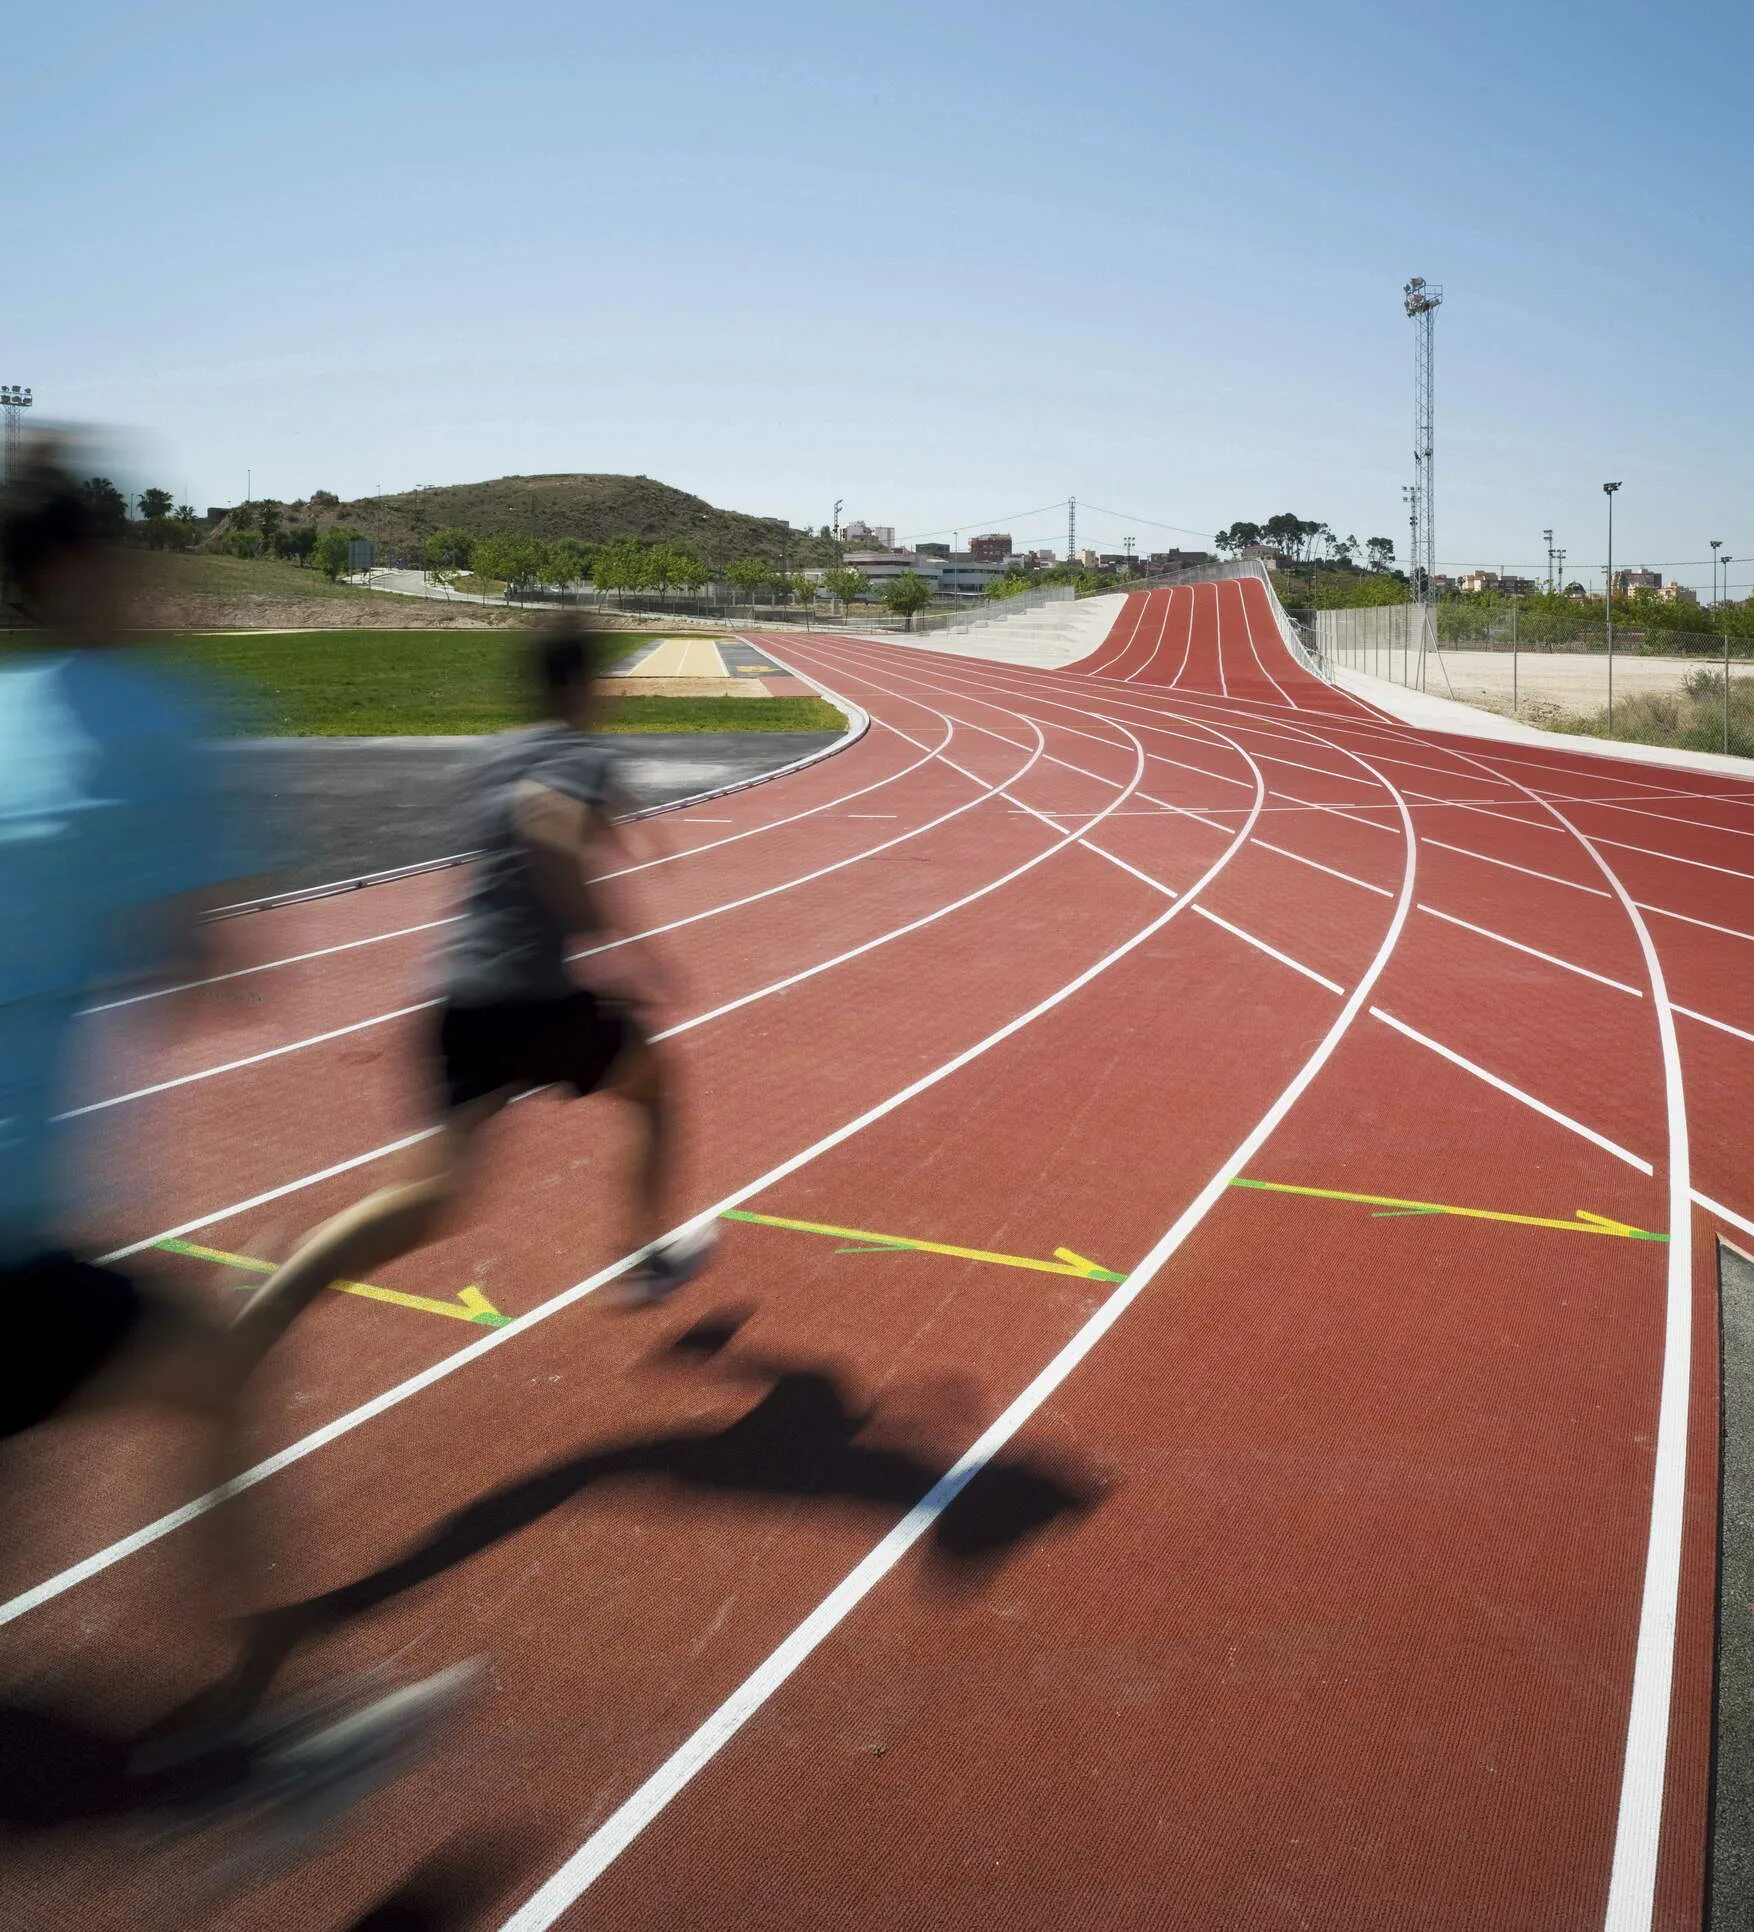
[946,262]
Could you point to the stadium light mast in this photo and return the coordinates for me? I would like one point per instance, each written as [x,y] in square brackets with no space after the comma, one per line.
[1717,543]
[1421,300]
[1071,529]
[15,400]
[1548,534]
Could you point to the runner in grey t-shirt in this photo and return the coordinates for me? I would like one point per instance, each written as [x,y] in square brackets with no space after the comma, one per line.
[512,941]
[541,806]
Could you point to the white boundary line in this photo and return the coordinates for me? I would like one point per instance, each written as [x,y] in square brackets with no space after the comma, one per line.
[616,1833]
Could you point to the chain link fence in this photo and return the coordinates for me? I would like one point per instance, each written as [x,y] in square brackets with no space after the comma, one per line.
[1693,689]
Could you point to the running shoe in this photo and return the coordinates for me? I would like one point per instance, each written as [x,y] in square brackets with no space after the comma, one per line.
[668,1267]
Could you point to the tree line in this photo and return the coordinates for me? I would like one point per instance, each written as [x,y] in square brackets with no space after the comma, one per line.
[1300,541]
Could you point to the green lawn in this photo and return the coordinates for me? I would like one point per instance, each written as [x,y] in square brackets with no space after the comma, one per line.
[383,683]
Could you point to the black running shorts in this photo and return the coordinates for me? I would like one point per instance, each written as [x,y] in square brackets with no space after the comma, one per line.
[64,1321]
[571,1042]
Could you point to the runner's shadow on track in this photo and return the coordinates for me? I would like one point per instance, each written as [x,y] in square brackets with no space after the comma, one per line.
[804,1438]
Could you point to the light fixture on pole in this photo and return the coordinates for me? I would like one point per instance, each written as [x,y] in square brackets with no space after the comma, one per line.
[1548,534]
[14,399]
[1716,546]
[1608,490]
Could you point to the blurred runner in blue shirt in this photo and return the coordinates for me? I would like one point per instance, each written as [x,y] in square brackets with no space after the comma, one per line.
[112,830]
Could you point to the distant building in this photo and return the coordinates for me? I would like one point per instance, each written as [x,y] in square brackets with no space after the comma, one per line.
[1265,553]
[1628,581]
[1044,556]
[1674,593]
[882,535]
[1116,560]
[995,547]
[1089,559]
[965,574]
[1478,581]
[1178,559]
[884,566]
[933,549]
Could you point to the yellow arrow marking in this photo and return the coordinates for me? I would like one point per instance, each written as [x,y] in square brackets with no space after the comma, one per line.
[471,1304]
[1068,1264]
[1584,1222]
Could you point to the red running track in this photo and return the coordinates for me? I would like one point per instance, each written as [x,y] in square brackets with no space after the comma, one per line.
[1302,1559]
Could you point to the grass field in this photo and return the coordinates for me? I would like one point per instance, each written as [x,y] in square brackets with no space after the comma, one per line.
[378,683]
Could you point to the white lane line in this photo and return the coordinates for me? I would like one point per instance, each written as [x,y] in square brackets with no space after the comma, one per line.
[1332,871]
[1072,837]
[1510,865]
[269,1194]
[377,1405]
[1218,641]
[1254,649]
[599,1851]
[1723,1213]
[1516,1093]
[1150,656]
[1673,858]
[1534,952]
[1272,952]
[248,1060]
[1187,642]
[645,865]
[269,965]
[587,952]
[1687,918]
[791,818]
[1723,1026]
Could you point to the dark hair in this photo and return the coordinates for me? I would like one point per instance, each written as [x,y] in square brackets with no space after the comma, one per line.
[563,655]
[45,518]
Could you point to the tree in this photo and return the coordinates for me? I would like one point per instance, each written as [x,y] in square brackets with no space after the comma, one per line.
[107,503]
[1237,538]
[747,574]
[243,517]
[515,561]
[906,594]
[269,517]
[617,565]
[689,572]
[154,505]
[329,553]
[297,543]
[564,562]
[658,567]
[447,550]
[804,588]
[185,513]
[843,585]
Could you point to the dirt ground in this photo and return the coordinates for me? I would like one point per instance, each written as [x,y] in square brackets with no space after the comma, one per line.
[1565,681]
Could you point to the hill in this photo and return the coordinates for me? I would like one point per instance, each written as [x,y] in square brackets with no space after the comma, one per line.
[593,509]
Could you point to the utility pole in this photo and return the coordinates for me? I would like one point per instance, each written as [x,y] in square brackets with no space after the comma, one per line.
[1421,301]
[838,501]
[1716,546]
[1608,490]
[1071,529]
[1559,559]
[1548,534]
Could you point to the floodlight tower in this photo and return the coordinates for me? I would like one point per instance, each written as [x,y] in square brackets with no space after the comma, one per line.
[1421,300]
[1071,529]
[15,401]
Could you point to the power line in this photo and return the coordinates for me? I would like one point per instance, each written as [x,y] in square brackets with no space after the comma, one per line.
[1156,523]
[968,523]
